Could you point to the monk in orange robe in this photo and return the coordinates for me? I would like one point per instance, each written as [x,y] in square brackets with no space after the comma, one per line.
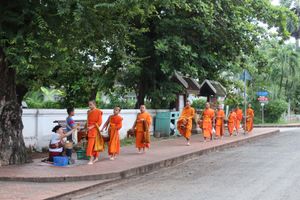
[239,118]
[93,122]
[207,122]
[185,122]
[142,128]
[231,122]
[249,119]
[220,122]
[114,122]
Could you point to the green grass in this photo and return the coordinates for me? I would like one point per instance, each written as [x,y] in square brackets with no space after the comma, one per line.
[131,141]
[281,122]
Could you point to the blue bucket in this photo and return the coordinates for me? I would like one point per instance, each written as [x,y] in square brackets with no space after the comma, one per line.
[60,161]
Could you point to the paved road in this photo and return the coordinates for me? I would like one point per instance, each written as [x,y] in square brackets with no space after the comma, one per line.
[266,169]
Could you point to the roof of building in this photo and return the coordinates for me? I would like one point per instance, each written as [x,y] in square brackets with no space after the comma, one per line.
[191,85]
[209,87]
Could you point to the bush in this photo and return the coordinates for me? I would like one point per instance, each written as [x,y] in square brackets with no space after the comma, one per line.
[274,110]
[199,103]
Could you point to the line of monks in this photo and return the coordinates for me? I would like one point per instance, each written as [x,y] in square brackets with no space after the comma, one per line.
[213,122]
[210,121]
[141,129]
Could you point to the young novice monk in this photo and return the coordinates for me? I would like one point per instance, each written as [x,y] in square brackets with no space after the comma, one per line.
[208,116]
[141,126]
[93,123]
[231,122]
[114,124]
[185,122]
[220,115]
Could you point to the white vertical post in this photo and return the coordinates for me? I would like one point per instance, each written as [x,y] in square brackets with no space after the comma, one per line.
[245,101]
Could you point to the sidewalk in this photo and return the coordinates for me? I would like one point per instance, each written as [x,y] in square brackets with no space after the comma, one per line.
[35,181]
[290,125]
[162,154]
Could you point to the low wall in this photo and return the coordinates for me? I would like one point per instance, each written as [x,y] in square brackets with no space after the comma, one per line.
[38,123]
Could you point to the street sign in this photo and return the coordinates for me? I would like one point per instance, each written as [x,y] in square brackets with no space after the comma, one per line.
[245,76]
[263,99]
[262,93]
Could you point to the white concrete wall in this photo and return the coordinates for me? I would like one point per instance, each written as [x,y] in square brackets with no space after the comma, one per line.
[38,123]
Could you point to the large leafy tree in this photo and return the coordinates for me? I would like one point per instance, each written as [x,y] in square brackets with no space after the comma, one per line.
[197,38]
[86,45]
[42,43]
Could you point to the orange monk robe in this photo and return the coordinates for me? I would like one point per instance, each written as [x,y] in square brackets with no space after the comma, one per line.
[249,119]
[94,119]
[185,122]
[140,132]
[220,123]
[115,124]
[239,118]
[231,122]
[208,116]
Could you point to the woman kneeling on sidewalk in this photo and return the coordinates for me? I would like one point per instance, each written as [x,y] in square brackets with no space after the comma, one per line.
[56,143]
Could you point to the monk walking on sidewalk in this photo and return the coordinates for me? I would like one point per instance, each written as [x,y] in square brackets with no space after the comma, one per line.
[207,122]
[249,119]
[220,130]
[185,122]
[94,121]
[114,124]
[239,118]
[142,128]
[231,122]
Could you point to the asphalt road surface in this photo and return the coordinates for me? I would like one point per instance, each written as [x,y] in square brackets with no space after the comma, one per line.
[263,170]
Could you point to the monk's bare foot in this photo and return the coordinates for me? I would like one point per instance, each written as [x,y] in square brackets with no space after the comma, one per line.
[188,144]
[91,161]
[95,160]
[111,158]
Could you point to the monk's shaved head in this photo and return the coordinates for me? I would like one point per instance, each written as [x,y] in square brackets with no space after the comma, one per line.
[142,108]
[92,104]
[207,105]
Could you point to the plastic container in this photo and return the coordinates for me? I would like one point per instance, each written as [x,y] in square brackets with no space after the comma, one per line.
[60,161]
[163,122]
[81,155]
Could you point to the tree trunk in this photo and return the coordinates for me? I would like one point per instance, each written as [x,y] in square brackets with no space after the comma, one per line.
[93,94]
[281,82]
[141,95]
[12,146]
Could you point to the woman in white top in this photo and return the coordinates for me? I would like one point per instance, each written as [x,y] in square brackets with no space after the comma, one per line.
[56,141]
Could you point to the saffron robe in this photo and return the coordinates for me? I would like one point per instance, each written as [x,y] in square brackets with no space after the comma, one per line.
[249,119]
[231,122]
[220,123]
[185,122]
[94,119]
[115,124]
[143,122]
[239,118]
[207,122]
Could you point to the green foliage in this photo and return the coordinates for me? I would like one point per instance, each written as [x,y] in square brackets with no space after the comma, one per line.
[89,46]
[233,100]
[274,110]
[199,103]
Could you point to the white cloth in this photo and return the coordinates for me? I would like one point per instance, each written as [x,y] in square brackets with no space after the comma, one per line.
[74,137]
[55,139]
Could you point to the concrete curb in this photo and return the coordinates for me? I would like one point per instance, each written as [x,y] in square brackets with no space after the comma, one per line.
[278,126]
[172,161]
[65,195]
